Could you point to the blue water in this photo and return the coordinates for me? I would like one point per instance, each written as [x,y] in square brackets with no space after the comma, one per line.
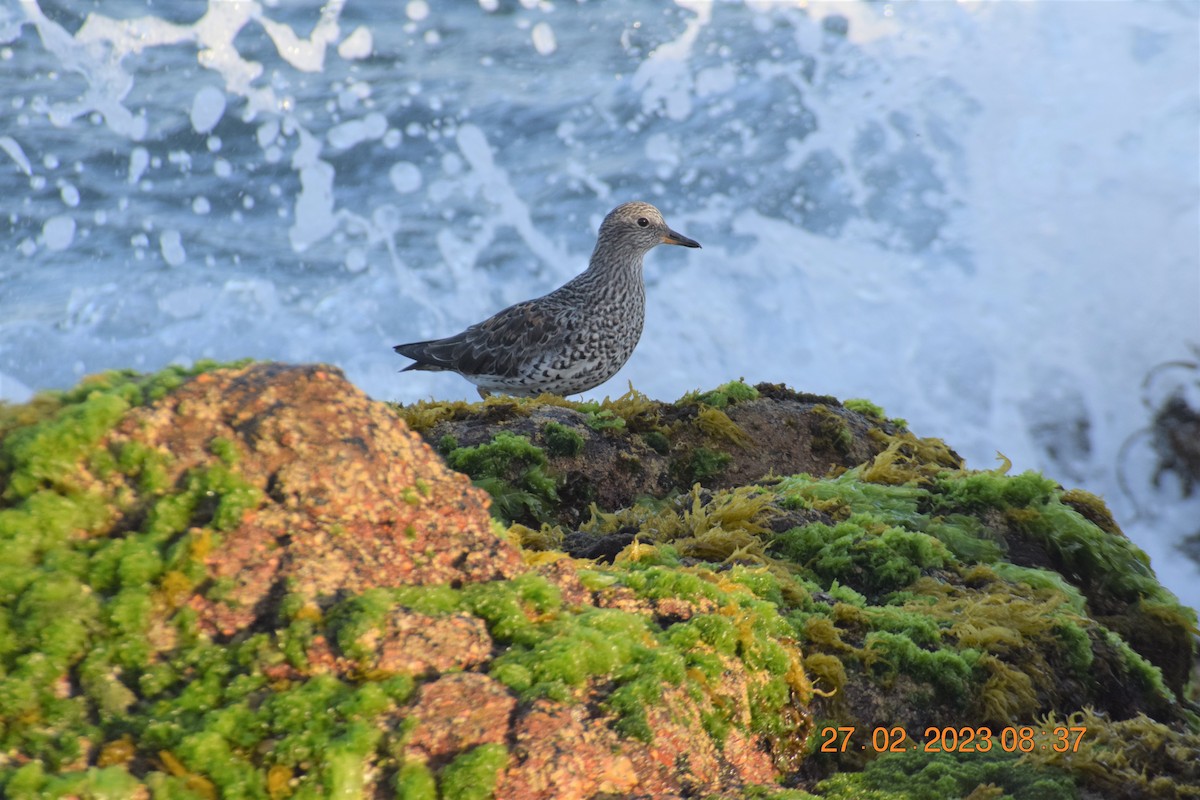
[984,216]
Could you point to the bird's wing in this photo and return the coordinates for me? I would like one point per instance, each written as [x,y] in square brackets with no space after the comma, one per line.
[500,345]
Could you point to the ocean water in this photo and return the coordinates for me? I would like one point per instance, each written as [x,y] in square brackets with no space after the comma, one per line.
[983,216]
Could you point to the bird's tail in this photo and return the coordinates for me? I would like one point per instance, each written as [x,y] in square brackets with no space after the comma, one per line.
[423,358]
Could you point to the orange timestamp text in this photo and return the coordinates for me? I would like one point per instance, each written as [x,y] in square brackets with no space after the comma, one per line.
[1022,739]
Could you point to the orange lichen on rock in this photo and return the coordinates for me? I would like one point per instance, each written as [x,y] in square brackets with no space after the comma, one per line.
[351,499]
[457,712]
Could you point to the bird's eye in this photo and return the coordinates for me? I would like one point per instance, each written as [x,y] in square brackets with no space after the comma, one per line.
[643,222]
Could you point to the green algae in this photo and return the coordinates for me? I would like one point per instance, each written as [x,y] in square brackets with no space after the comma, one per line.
[977,642]
[415,781]
[866,408]
[47,455]
[875,560]
[918,775]
[221,497]
[566,657]
[657,441]
[1103,564]
[1109,571]
[513,471]
[43,443]
[78,604]
[226,450]
[995,490]
[700,465]
[562,655]
[989,653]
[872,411]
[146,465]
[229,726]
[232,726]
[913,604]
[1042,580]
[561,440]
[723,396]
[992,644]
[880,507]
[888,505]
[353,620]
[601,419]
[31,781]
[223,725]
[473,774]
[1138,672]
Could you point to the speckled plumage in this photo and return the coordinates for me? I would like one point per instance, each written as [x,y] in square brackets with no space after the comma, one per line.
[572,339]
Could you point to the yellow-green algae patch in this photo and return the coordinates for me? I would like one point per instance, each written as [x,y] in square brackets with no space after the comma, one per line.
[727,527]
[632,409]
[717,425]
[1134,757]
[873,411]
[725,395]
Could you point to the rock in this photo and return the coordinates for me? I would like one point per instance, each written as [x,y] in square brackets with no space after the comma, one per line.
[255,581]
[612,453]
[349,499]
[457,712]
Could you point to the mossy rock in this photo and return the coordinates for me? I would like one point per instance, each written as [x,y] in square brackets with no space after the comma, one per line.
[190,608]
[928,595]
[246,581]
[615,451]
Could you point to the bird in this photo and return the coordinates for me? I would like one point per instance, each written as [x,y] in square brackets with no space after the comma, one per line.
[572,339]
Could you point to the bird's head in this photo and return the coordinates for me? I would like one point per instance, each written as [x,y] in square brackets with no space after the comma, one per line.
[641,226]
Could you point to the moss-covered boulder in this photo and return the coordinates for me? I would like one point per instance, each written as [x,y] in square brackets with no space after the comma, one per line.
[614,452]
[924,596]
[253,581]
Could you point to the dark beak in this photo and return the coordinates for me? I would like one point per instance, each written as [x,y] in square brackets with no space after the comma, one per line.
[671,237]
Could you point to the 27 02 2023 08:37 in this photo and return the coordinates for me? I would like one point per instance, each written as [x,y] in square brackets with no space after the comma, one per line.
[1011,739]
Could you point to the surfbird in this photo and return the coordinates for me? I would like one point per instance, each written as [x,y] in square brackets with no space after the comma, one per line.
[572,339]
